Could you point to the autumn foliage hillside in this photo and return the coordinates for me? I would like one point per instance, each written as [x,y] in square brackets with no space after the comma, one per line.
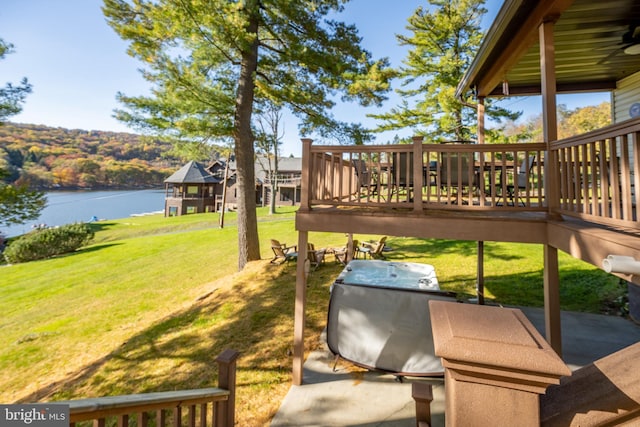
[48,158]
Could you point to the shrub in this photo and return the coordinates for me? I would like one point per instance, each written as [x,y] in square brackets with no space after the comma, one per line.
[48,242]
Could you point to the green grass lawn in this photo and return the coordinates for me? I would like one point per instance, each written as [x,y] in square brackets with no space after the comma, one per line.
[149,305]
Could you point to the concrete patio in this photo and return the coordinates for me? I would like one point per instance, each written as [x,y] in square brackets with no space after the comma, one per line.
[356,398]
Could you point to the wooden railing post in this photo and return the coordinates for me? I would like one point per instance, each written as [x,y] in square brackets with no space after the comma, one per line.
[305,187]
[417,173]
[225,411]
[422,393]
[495,359]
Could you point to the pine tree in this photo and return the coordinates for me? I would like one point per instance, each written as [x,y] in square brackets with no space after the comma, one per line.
[209,60]
[444,39]
[11,97]
[18,203]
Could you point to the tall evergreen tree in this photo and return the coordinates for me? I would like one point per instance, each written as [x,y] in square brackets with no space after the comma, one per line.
[444,39]
[11,97]
[18,204]
[208,60]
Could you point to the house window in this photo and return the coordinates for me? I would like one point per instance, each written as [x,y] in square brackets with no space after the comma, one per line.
[192,189]
[191,210]
[173,211]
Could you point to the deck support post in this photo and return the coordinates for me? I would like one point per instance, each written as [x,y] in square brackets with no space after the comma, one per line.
[550,130]
[549,115]
[480,274]
[300,309]
[552,323]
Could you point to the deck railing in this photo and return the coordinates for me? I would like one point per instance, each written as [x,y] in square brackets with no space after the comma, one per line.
[427,176]
[591,176]
[202,407]
[285,179]
[596,174]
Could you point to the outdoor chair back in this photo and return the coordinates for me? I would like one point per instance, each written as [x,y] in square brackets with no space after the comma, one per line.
[282,253]
[346,254]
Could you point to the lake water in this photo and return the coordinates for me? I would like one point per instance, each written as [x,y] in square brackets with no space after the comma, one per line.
[66,207]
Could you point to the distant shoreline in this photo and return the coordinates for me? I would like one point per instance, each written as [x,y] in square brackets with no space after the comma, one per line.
[105,188]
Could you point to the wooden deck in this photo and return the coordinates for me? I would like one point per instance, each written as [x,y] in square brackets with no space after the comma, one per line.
[576,195]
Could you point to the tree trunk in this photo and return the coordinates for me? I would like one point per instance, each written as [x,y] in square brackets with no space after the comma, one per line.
[274,194]
[274,180]
[248,243]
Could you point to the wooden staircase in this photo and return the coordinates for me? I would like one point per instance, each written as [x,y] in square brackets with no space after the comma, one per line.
[604,393]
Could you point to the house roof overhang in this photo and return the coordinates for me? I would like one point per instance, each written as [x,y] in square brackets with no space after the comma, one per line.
[588,42]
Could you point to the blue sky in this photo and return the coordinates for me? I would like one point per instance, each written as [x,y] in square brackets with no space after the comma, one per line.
[76,63]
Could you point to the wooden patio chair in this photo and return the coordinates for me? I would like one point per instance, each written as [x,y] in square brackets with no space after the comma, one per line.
[521,177]
[343,256]
[282,253]
[315,257]
[454,175]
[374,250]
[364,176]
[402,175]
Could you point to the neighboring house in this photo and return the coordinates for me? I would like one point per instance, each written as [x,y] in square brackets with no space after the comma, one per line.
[192,189]
[196,188]
[577,195]
[217,169]
[288,181]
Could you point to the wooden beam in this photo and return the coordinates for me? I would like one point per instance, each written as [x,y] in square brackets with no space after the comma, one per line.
[444,226]
[592,243]
[519,43]
[532,90]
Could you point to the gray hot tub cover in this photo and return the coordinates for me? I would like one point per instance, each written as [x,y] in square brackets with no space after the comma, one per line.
[384,328]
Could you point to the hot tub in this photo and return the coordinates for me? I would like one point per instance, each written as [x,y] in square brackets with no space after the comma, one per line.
[379,316]
[405,275]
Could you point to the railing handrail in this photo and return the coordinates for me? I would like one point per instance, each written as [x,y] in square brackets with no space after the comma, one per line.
[616,129]
[222,399]
[91,408]
[442,148]
[283,178]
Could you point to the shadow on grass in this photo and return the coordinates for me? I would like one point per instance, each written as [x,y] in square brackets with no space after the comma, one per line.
[94,248]
[585,290]
[408,248]
[253,316]
[102,226]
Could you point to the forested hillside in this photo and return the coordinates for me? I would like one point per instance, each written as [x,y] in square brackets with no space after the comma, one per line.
[59,158]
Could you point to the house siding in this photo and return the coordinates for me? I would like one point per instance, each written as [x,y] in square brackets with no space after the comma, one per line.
[626,94]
